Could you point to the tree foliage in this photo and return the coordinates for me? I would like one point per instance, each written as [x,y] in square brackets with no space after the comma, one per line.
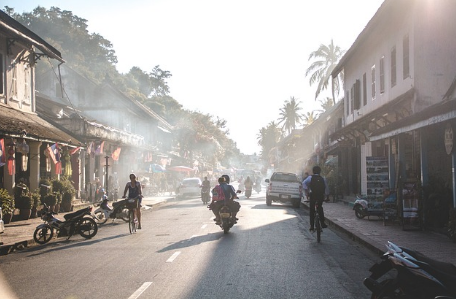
[326,59]
[290,116]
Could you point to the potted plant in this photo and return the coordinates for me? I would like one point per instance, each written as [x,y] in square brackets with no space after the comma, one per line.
[7,204]
[50,200]
[24,204]
[36,200]
[68,193]
[57,189]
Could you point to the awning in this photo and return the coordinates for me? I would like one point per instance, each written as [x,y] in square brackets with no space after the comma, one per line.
[435,114]
[15,122]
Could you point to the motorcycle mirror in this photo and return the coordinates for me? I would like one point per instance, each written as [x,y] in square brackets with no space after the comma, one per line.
[239,191]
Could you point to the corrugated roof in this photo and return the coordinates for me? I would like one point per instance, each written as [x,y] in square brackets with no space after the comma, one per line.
[13,122]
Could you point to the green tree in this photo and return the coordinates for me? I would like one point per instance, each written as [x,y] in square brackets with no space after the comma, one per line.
[310,117]
[289,115]
[267,138]
[326,59]
[326,104]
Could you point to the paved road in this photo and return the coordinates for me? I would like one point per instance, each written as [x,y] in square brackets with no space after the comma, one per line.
[181,253]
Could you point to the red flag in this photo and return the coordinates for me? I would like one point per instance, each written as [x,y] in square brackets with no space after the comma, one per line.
[58,168]
[115,155]
[52,151]
[73,151]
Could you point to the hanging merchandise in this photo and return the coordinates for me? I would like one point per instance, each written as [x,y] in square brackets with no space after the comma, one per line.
[24,162]
[11,164]
[67,170]
[2,152]
[22,148]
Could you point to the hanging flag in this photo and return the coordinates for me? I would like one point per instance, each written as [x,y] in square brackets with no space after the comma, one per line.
[2,152]
[90,148]
[52,150]
[115,155]
[73,151]
[58,168]
[11,160]
[99,148]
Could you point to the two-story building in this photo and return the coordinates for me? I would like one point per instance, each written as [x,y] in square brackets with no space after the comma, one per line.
[109,122]
[399,100]
[24,136]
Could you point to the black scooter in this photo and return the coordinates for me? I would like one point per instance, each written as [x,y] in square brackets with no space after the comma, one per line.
[416,276]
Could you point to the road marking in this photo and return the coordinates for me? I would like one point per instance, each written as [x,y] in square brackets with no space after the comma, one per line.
[140,290]
[204,226]
[173,257]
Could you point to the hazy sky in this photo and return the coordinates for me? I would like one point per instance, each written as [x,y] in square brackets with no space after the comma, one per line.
[238,59]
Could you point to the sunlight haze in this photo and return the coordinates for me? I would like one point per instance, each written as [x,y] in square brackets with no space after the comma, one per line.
[239,60]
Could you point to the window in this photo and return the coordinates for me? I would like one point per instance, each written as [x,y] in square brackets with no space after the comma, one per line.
[27,86]
[14,81]
[406,57]
[347,105]
[352,98]
[373,81]
[393,67]
[357,95]
[382,75]
[2,75]
[364,90]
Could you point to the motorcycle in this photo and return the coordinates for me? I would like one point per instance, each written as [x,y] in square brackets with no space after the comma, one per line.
[74,223]
[248,191]
[258,187]
[415,276]
[365,208]
[227,220]
[104,211]
[205,197]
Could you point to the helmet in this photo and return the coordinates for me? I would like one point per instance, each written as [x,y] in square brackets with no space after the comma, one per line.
[227,178]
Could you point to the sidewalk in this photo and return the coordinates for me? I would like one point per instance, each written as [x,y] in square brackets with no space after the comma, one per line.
[374,235]
[19,234]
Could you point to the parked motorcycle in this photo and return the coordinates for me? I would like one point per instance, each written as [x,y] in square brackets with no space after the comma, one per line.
[75,223]
[104,211]
[365,208]
[205,196]
[415,276]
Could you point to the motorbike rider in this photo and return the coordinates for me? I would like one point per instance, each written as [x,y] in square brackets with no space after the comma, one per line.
[134,190]
[205,186]
[315,194]
[248,183]
[230,195]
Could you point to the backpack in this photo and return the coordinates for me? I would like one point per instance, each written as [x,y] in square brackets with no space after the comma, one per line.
[317,186]
[217,193]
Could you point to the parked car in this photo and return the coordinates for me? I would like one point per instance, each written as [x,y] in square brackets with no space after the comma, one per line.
[189,187]
[284,187]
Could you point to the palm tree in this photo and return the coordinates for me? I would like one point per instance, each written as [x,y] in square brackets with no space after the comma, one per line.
[289,115]
[326,104]
[326,59]
[310,117]
[268,137]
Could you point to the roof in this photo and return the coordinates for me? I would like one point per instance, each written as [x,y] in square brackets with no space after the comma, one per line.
[15,29]
[14,122]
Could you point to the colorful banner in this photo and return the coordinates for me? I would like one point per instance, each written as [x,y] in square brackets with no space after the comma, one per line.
[116,154]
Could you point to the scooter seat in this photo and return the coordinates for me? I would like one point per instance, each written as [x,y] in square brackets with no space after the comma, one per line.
[77,213]
[118,203]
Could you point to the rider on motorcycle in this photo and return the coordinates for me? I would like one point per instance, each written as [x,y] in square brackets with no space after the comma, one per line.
[230,195]
[248,183]
[205,186]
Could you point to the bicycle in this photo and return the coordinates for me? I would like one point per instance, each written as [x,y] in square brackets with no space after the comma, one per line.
[317,222]
[132,204]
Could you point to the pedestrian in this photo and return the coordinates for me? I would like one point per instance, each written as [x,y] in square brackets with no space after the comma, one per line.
[316,190]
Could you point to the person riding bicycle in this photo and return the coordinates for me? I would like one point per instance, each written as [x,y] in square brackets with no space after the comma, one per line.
[316,190]
[134,190]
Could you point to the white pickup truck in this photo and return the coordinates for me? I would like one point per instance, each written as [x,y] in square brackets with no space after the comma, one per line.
[284,187]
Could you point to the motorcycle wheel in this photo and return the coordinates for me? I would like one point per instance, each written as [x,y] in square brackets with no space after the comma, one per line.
[226,229]
[100,217]
[43,235]
[124,215]
[359,212]
[87,228]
